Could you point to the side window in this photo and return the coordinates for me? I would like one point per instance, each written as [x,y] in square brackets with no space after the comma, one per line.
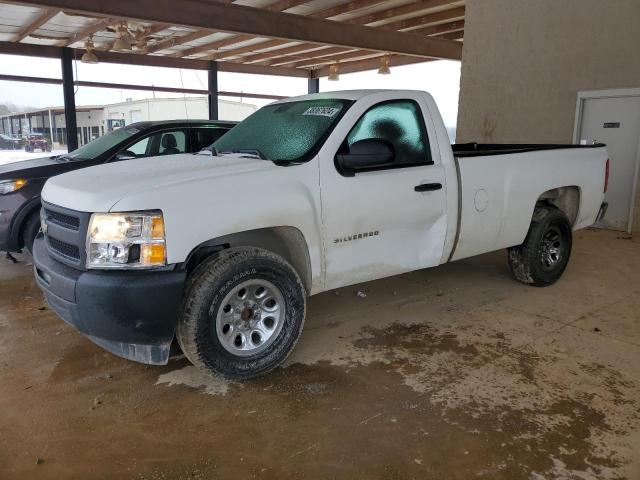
[172,143]
[161,143]
[401,124]
[205,136]
[139,148]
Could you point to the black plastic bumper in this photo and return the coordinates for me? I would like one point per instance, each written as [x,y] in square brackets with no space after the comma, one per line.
[132,314]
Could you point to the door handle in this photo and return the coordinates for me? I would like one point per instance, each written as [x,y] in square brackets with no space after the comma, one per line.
[428,187]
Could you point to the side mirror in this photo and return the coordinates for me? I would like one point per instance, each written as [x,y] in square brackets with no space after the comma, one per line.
[124,155]
[365,154]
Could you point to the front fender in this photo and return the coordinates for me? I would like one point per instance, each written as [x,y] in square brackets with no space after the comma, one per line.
[209,208]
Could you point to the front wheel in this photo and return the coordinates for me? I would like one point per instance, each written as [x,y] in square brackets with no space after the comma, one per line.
[30,231]
[543,257]
[242,313]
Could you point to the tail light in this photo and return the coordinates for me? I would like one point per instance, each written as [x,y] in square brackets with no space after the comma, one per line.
[606,176]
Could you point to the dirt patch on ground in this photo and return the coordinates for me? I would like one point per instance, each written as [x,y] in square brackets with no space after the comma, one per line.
[452,373]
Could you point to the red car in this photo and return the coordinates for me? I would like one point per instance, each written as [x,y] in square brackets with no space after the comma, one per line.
[36,141]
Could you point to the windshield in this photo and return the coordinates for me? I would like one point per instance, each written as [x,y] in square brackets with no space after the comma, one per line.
[284,131]
[100,145]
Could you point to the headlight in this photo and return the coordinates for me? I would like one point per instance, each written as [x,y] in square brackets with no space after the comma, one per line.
[8,186]
[126,240]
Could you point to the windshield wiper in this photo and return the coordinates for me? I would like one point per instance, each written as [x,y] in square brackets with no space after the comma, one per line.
[254,152]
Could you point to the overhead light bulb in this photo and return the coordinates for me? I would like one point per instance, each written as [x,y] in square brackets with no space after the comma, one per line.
[123,43]
[334,76]
[89,56]
[384,65]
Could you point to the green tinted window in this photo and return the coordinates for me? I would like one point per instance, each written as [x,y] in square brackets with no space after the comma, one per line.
[284,131]
[400,123]
[100,145]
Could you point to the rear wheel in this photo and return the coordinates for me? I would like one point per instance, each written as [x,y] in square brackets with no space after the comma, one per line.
[243,313]
[543,257]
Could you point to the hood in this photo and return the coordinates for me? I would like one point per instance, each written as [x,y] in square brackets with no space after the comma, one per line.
[99,188]
[38,168]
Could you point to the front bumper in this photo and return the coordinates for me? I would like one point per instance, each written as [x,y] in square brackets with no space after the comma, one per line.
[132,314]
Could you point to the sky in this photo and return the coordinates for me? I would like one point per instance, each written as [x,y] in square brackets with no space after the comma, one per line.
[440,78]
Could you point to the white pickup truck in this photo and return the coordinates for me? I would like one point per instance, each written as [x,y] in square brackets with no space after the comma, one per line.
[221,249]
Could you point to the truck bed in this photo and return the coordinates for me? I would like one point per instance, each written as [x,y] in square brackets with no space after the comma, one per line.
[484,149]
[499,190]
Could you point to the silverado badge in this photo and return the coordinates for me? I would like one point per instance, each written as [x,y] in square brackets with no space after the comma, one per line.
[356,236]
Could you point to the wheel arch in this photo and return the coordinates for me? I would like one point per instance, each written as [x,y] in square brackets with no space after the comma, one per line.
[286,241]
[565,199]
[20,220]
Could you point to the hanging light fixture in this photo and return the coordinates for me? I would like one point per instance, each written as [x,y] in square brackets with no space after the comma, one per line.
[142,44]
[123,43]
[334,75]
[89,56]
[384,65]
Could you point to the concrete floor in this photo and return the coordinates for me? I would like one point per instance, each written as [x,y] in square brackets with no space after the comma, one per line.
[450,373]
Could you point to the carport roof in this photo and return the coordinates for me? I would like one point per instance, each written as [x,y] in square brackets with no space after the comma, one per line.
[285,37]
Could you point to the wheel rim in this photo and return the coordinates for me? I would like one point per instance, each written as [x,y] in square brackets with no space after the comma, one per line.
[551,248]
[250,317]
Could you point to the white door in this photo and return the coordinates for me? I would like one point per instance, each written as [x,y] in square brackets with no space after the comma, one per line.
[389,219]
[615,121]
[135,116]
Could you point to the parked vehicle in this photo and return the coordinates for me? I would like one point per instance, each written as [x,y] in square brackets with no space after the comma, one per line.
[8,142]
[37,141]
[21,182]
[308,194]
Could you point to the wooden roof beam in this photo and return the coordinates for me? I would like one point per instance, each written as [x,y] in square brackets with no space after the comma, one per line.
[46,15]
[279,6]
[173,41]
[349,56]
[368,64]
[325,13]
[189,37]
[422,21]
[391,13]
[254,21]
[47,51]
[95,27]
[295,60]
[361,20]
[409,24]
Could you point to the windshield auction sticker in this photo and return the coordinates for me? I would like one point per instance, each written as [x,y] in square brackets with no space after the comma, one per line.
[322,111]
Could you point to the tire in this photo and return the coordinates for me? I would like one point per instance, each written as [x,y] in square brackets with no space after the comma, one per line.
[215,314]
[543,257]
[30,231]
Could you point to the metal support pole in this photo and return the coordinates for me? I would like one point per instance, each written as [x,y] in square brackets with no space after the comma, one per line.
[213,91]
[54,134]
[69,99]
[314,85]
[51,126]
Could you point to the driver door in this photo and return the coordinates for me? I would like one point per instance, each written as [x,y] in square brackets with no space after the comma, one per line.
[387,219]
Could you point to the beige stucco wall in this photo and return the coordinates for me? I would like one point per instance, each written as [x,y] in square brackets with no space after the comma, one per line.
[524,61]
